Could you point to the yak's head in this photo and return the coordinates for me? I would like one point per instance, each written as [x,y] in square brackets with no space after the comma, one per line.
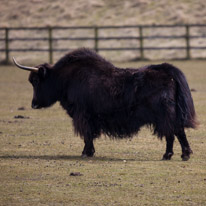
[40,77]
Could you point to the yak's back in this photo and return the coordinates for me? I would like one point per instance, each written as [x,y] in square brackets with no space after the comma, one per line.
[85,59]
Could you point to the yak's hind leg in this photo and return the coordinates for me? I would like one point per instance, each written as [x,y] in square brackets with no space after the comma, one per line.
[169,147]
[186,150]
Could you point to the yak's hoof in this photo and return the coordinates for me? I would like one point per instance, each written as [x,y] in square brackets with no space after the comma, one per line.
[167,156]
[186,154]
[84,155]
[185,157]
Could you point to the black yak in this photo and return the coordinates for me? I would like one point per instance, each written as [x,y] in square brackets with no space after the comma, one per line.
[101,98]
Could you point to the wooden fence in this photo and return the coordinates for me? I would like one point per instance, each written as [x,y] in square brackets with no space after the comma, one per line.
[141,37]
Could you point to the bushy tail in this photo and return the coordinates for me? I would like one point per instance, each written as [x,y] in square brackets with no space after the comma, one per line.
[186,116]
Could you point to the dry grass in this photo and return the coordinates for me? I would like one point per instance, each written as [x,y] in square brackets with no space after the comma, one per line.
[38,153]
[100,12]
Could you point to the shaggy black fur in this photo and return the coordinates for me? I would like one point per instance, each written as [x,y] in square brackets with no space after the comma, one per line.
[101,98]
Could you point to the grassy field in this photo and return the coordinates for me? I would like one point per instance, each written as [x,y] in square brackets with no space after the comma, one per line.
[39,152]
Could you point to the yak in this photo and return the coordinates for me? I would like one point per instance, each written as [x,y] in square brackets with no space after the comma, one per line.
[104,99]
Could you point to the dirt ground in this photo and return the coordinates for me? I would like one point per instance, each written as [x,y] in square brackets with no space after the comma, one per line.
[40,161]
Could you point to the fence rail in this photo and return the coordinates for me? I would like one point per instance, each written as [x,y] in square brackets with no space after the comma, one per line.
[97,38]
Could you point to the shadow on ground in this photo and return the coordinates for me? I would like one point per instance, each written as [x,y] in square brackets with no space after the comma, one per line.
[67,157]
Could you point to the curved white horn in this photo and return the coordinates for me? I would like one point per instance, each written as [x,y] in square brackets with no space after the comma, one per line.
[32,69]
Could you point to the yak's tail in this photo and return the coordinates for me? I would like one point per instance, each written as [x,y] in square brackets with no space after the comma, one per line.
[186,116]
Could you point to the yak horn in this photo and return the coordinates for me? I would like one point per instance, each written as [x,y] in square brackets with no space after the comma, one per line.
[32,69]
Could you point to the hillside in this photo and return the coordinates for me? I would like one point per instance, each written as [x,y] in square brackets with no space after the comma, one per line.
[100,12]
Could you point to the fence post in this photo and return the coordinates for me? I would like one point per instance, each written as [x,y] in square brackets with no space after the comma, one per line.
[187,38]
[96,38]
[50,45]
[7,45]
[141,42]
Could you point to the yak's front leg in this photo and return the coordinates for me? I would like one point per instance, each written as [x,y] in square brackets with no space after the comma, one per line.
[169,147]
[88,150]
[89,131]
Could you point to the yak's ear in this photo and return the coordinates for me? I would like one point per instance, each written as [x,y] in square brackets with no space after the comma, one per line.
[44,70]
